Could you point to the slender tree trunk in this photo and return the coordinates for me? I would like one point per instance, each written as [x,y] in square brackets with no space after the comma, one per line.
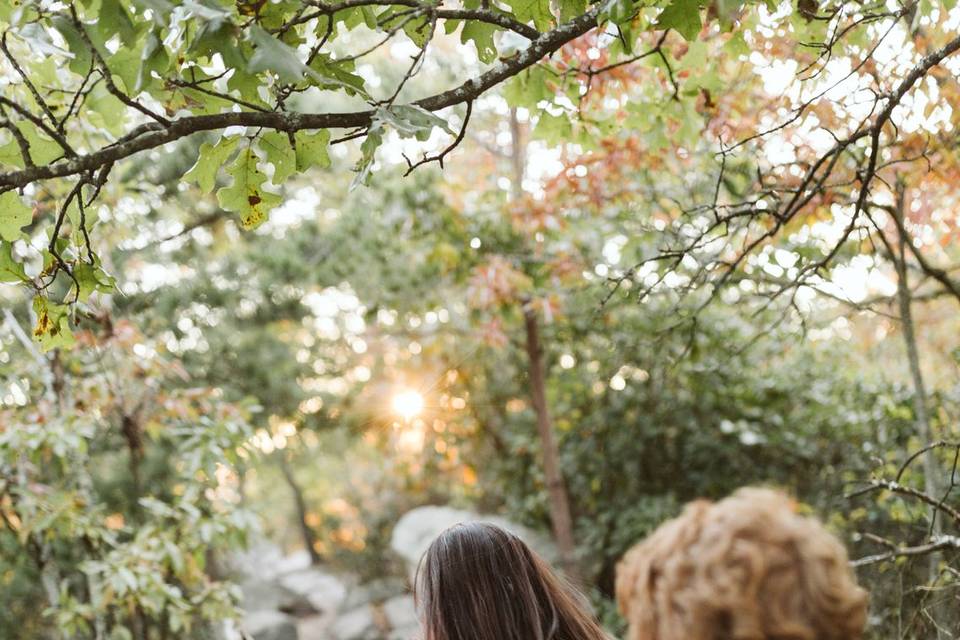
[557,490]
[921,412]
[559,500]
[920,409]
[309,539]
[518,157]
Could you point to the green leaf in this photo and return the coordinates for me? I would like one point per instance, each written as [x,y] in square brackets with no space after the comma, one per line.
[537,11]
[43,150]
[113,19]
[727,12]
[53,324]
[6,11]
[695,59]
[273,55]
[528,88]
[570,9]
[245,195]
[215,36]
[419,31]
[208,12]
[350,18]
[82,57]
[482,35]
[39,40]
[682,16]
[106,111]
[90,278]
[411,121]
[417,28]
[276,146]
[161,9]
[336,75]
[368,150]
[554,129]
[10,269]
[737,45]
[312,150]
[619,12]
[125,65]
[246,84]
[14,216]
[209,161]
[153,58]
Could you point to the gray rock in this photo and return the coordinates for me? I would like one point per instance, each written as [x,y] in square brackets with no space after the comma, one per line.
[260,561]
[270,625]
[324,591]
[296,561]
[401,612]
[374,591]
[315,627]
[355,624]
[417,528]
[406,633]
[268,595]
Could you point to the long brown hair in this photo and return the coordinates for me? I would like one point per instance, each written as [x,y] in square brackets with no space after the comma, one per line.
[477,581]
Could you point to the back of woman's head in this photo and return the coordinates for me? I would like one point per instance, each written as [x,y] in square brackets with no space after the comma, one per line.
[477,581]
[745,568]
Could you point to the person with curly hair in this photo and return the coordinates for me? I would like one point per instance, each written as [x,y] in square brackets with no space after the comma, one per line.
[748,567]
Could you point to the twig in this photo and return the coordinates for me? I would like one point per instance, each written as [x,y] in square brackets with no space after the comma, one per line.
[440,156]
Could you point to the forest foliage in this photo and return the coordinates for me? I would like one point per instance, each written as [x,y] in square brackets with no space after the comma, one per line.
[626,254]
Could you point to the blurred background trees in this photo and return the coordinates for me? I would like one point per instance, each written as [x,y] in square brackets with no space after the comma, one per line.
[659,265]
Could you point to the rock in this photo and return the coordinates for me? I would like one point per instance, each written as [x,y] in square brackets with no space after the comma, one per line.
[374,591]
[407,633]
[417,528]
[270,625]
[315,627]
[264,560]
[268,595]
[355,624]
[401,612]
[296,561]
[260,561]
[324,591]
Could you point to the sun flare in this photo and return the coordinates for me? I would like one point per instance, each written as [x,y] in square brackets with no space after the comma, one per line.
[408,404]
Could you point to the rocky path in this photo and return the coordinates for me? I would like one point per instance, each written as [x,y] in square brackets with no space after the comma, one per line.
[285,598]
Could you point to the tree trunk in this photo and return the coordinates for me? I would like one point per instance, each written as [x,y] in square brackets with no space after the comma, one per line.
[517,156]
[559,501]
[557,490]
[309,539]
[920,410]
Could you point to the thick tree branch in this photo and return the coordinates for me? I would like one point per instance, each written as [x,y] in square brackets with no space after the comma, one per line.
[155,134]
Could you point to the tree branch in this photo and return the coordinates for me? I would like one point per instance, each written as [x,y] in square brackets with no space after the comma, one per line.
[154,134]
[939,543]
[488,16]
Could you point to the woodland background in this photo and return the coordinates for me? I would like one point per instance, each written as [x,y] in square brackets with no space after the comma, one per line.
[571,263]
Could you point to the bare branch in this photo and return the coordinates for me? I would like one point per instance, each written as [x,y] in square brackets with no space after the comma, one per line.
[896,487]
[938,544]
[443,154]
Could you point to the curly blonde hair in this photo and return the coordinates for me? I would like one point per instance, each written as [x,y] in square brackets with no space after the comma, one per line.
[745,568]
